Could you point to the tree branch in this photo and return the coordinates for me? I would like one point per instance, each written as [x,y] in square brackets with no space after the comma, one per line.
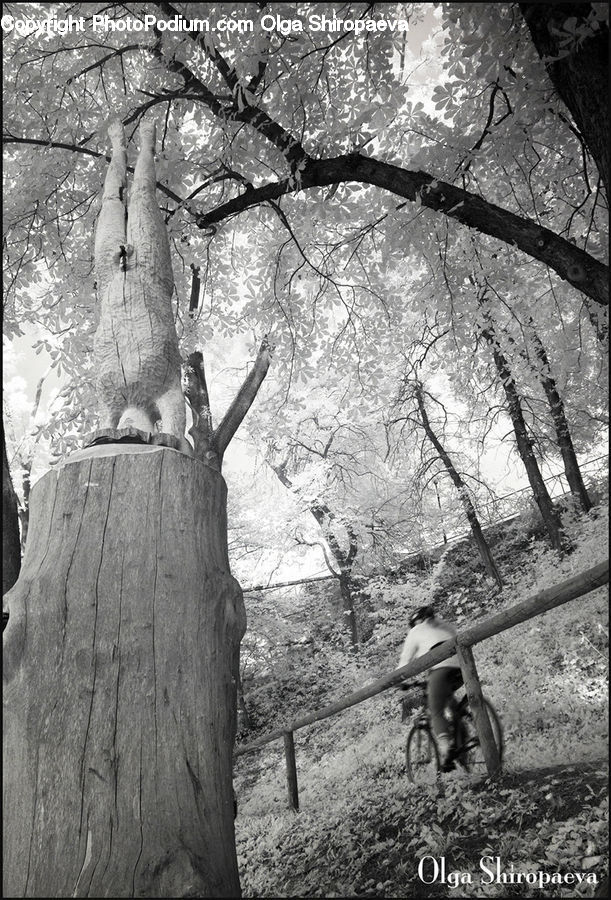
[242,108]
[301,540]
[243,401]
[572,264]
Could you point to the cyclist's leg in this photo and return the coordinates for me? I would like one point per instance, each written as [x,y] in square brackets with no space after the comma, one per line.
[440,690]
[456,681]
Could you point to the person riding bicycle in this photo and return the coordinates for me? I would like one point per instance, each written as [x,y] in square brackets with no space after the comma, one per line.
[426,632]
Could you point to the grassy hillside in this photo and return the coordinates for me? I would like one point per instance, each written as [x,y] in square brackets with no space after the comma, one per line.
[363,828]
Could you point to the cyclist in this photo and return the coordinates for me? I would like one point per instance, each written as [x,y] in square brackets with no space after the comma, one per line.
[426,632]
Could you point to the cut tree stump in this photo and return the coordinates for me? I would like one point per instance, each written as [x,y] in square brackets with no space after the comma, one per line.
[120,699]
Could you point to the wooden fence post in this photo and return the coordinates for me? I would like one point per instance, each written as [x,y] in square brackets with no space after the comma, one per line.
[478,709]
[291,769]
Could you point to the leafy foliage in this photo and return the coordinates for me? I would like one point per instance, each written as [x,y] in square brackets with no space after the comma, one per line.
[237,110]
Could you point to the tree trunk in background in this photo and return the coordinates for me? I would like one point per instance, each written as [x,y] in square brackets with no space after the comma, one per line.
[120,669]
[581,77]
[524,443]
[243,717]
[11,545]
[349,612]
[478,535]
[563,434]
[24,512]
[344,559]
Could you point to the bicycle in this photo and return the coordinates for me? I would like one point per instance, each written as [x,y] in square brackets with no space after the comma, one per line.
[422,757]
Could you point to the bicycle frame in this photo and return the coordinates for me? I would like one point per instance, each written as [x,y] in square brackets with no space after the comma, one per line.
[465,741]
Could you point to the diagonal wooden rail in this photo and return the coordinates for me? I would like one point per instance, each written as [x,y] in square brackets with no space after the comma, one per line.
[541,602]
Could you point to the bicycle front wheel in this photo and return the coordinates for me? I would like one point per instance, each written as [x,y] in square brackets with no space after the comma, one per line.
[468,751]
[421,756]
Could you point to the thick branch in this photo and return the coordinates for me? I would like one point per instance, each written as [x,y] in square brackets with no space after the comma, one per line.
[243,401]
[571,263]
[242,108]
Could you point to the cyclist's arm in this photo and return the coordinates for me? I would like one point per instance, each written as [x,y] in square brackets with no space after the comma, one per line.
[409,651]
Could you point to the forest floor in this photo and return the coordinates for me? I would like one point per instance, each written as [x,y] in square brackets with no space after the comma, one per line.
[363,830]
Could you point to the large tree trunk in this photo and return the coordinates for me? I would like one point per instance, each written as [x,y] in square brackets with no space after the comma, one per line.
[561,426]
[11,546]
[120,659]
[478,535]
[580,76]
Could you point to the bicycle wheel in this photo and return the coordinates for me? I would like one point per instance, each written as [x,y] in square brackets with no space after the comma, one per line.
[421,756]
[468,753]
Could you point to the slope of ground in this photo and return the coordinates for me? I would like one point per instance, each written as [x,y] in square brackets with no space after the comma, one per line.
[363,828]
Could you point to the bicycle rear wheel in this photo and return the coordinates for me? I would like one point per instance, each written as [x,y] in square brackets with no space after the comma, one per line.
[468,752]
[421,756]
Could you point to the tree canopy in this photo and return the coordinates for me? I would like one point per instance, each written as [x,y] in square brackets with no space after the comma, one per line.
[332,183]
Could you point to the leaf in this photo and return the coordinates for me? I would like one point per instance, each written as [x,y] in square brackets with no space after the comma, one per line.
[588,862]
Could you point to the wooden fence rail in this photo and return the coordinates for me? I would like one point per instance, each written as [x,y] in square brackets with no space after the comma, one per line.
[539,603]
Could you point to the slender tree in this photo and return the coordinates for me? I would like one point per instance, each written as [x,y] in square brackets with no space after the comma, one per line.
[463,492]
[343,559]
[524,442]
[561,425]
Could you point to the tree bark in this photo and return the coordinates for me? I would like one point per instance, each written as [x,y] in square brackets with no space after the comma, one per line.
[478,535]
[120,669]
[11,544]
[561,426]
[580,76]
[524,443]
